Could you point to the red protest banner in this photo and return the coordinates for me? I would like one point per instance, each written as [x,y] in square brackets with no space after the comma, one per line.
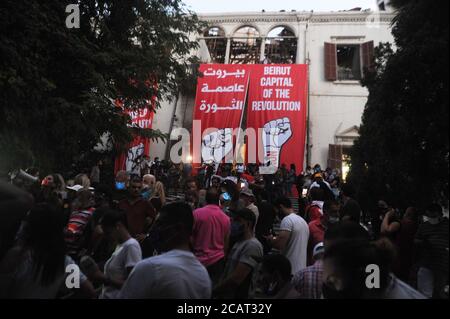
[277,105]
[140,146]
[220,100]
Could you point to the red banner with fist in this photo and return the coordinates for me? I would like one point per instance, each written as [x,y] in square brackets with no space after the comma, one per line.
[219,103]
[276,111]
[140,146]
[277,105]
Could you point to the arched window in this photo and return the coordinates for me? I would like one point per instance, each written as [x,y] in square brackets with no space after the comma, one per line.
[245,46]
[281,46]
[217,44]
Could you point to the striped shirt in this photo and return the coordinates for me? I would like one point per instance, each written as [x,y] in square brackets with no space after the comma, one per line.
[435,247]
[308,281]
[74,233]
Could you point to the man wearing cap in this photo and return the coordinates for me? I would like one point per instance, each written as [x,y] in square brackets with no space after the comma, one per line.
[239,278]
[247,196]
[308,281]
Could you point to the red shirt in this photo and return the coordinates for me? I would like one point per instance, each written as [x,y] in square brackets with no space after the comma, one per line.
[313,212]
[316,234]
[137,214]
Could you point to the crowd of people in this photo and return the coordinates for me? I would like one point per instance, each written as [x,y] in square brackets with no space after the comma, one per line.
[235,233]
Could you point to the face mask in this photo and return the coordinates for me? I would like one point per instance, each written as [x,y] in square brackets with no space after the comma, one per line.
[237,230]
[120,185]
[146,194]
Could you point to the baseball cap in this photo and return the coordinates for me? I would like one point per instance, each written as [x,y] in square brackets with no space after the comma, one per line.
[247,192]
[318,249]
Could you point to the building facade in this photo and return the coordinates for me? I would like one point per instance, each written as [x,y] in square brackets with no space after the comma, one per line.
[337,46]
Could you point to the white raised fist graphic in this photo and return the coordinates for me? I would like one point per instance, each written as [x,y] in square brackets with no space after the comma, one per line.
[217,145]
[274,135]
[134,153]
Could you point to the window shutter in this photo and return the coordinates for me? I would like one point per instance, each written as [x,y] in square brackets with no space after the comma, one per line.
[335,156]
[368,58]
[330,62]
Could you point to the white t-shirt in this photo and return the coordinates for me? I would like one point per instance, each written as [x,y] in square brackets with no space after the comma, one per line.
[297,245]
[176,274]
[126,255]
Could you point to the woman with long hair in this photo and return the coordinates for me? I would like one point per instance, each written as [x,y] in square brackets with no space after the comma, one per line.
[160,193]
[36,266]
[148,185]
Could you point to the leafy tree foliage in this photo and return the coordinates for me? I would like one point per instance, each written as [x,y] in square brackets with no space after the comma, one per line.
[402,154]
[58,85]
